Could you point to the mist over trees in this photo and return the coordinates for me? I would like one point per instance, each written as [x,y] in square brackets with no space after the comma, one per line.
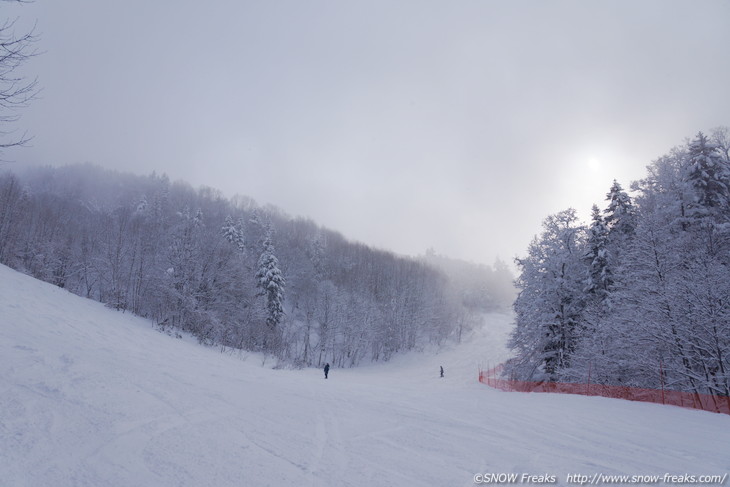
[232,273]
[641,295]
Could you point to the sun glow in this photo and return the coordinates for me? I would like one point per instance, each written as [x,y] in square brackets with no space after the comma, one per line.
[594,164]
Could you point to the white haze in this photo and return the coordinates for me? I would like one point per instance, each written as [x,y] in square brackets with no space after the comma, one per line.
[407,125]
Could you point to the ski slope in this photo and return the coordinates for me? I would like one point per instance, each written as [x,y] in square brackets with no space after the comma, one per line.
[93,397]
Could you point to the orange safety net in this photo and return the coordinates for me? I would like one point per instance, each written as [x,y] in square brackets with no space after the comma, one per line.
[705,402]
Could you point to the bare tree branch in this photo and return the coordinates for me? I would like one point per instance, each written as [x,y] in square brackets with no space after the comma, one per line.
[16,91]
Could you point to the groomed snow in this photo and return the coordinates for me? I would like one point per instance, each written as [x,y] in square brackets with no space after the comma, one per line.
[93,397]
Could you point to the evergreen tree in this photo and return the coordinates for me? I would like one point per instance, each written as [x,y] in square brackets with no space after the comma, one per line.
[620,217]
[599,278]
[709,175]
[233,234]
[271,282]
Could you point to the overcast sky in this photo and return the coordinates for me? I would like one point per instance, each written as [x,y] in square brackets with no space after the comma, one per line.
[457,125]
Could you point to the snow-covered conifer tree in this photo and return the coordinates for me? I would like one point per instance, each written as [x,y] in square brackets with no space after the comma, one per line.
[233,234]
[720,136]
[595,332]
[229,230]
[620,216]
[271,282]
[709,175]
[599,277]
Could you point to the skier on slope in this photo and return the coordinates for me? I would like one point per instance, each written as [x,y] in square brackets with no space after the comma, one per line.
[326,370]
[442,371]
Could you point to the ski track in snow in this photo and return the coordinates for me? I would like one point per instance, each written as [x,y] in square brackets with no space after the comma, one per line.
[93,397]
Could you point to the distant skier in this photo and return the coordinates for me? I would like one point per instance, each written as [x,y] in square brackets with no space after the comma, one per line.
[442,371]
[326,370]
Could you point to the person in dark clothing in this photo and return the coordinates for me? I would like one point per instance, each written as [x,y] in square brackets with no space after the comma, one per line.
[326,370]
[442,371]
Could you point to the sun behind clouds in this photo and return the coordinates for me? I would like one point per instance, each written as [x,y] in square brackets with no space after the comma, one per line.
[594,164]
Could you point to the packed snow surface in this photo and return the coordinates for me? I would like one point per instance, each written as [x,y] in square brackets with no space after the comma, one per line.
[94,397]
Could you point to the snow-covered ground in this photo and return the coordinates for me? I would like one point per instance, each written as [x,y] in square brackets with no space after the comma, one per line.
[93,397]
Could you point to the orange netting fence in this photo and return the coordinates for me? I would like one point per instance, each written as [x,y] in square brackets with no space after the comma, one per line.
[705,402]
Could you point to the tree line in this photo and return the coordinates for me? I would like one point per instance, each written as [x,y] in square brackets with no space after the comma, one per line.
[233,273]
[640,296]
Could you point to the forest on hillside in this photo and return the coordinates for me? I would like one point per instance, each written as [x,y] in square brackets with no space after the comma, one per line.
[233,273]
[641,295]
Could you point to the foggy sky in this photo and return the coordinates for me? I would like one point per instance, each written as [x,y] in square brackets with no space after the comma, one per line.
[402,124]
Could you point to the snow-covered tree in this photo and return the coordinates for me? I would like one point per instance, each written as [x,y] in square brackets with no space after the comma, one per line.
[233,234]
[720,136]
[271,282]
[654,310]
[550,300]
[599,279]
[594,335]
[141,244]
[12,202]
[709,174]
[620,218]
